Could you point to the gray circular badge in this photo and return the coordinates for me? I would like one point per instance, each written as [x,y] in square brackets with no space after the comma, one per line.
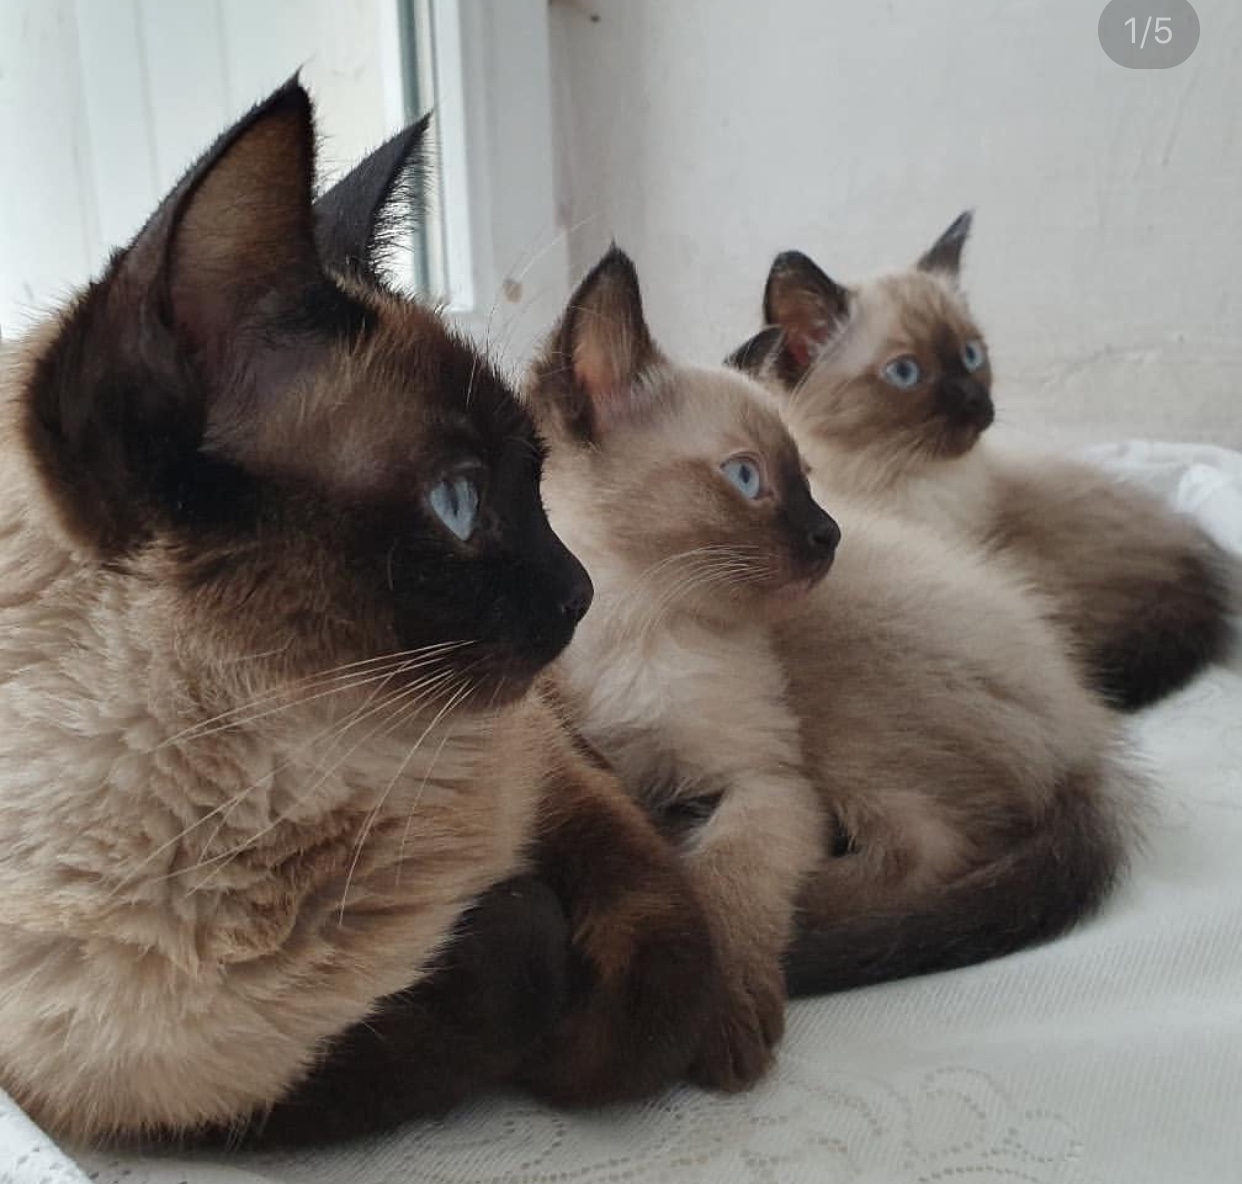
[1149,34]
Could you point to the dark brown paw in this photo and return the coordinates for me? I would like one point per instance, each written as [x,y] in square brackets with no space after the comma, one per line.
[648,983]
[739,1042]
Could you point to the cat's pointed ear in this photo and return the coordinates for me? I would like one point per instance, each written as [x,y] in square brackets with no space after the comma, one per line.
[234,242]
[945,254]
[358,218]
[220,299]
[807,306]
[589,375]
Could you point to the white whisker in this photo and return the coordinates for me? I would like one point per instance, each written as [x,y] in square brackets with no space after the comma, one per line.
[461,691]
[396,707]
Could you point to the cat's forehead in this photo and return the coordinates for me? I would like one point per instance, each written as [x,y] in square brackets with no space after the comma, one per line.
[913,306]
[729,409]
[399,402]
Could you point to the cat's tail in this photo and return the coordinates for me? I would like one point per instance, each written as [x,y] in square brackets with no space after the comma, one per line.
[1055,875]
[1174,629]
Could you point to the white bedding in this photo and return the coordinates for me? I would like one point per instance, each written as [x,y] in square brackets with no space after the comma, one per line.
[1112,1055]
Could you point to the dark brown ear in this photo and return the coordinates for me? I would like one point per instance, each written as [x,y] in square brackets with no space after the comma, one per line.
[358,219]
[239,236]
[758,355]
[945,254]
[589,374]
[218,303]
[808,306]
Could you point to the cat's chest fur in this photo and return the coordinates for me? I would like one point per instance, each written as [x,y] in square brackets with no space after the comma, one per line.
[683,706]
[193,865]
[954,496]
[158,799]
[146,821]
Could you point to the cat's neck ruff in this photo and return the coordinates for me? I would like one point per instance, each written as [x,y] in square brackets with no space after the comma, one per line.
[160,782]
[940,491]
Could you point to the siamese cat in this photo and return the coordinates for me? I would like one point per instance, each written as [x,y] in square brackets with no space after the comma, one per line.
[890,770]
[890,387]
[286,838]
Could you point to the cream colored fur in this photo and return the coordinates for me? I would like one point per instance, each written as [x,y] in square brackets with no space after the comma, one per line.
[916,697]
[1118,569]
[939,711]
[185,888]
[684,703]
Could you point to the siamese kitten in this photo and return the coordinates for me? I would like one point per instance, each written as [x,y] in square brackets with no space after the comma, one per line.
[892,391]
[901,755]
[276,580]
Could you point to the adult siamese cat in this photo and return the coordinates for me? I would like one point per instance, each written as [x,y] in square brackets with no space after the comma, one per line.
[890,392]
[276,583]
[882,770]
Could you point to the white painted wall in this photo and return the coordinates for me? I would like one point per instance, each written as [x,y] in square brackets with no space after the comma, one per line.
[706,135]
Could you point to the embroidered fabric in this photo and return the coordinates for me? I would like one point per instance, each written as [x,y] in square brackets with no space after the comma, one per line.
[1112,1055]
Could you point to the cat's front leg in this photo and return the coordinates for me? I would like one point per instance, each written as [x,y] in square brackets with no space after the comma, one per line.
[748,862]
[645,979]
[499,988]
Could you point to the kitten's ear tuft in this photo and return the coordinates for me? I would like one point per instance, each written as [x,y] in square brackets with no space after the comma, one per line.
[600,349]
[945,254]
[358,220]
[807,306]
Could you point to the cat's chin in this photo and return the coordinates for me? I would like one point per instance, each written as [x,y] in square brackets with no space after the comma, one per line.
[502,687]
[956,440]
[793,593]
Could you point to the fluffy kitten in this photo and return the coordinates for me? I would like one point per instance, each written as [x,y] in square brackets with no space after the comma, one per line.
[276,579]
[901,752]
[892,383]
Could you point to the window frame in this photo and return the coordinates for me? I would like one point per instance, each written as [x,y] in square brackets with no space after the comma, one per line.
[505,258]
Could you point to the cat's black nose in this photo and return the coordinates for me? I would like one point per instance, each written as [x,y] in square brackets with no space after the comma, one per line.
[822,536]
[577,598]
[814,534]
[825,534]
[969,400]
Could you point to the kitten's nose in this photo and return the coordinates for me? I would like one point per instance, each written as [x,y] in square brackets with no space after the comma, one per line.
[824,534]
[814,535]
[972,400]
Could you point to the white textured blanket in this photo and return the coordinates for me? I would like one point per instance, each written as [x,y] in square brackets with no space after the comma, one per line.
[1113,1055]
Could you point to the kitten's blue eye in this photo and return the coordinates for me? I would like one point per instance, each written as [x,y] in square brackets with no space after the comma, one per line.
[744,473]
[903,373]
[455,501]
[973,355]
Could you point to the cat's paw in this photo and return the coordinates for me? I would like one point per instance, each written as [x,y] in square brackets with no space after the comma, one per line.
[740,1039]
[647,985]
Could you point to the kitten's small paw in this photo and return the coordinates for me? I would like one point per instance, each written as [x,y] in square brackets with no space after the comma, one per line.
[739,1043]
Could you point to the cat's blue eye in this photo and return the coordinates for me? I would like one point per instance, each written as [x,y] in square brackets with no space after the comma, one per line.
[455,501]
[973,355]
[745,474]
[903,373]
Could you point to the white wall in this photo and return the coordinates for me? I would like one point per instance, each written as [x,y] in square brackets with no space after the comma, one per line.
[1106,267]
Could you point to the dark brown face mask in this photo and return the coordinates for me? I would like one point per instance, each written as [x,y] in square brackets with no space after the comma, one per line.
[319,458]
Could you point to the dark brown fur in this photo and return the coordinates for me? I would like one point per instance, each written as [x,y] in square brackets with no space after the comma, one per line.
[272,430]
